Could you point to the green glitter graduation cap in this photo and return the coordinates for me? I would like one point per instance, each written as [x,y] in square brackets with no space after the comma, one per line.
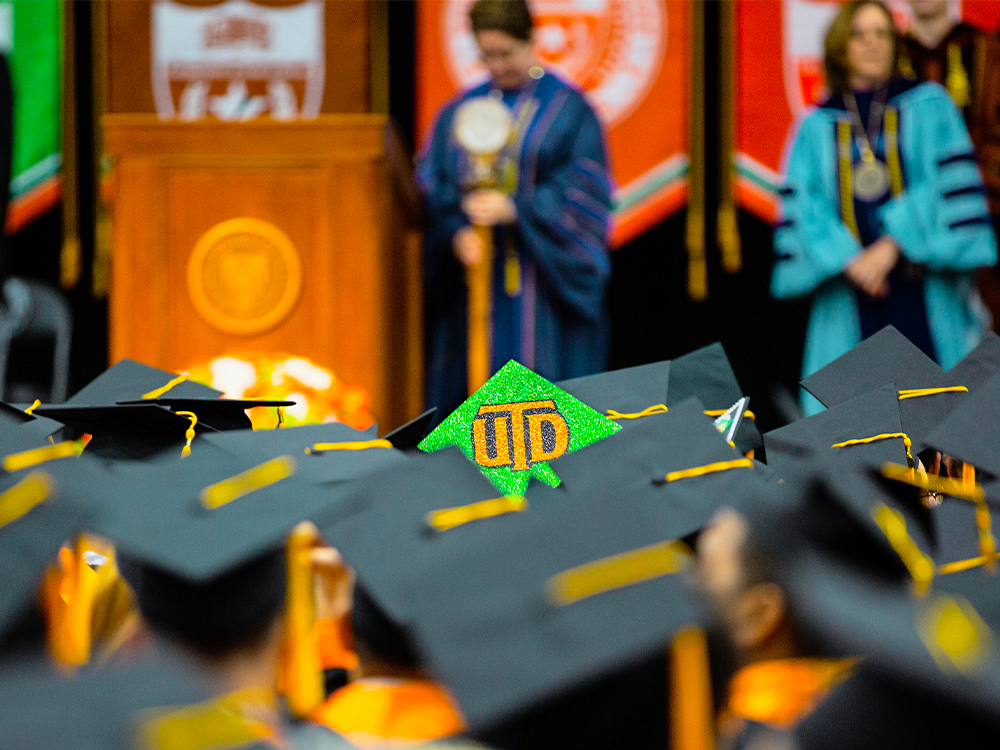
[515,424]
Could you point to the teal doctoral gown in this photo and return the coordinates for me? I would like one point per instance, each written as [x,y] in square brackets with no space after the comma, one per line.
[938,217]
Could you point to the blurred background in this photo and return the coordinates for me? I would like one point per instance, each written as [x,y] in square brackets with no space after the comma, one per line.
[213,186]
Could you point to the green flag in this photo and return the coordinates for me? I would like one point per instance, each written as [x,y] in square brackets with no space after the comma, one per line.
[30,36]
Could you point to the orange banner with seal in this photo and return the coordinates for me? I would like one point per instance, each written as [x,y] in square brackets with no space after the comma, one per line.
[631,57]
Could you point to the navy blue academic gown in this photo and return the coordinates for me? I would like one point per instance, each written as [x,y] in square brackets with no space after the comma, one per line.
[554,321]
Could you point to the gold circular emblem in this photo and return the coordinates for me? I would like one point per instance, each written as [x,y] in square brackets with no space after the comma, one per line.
[244,276]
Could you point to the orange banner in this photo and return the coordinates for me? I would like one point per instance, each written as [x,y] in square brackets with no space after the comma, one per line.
[629,56]
[779,75]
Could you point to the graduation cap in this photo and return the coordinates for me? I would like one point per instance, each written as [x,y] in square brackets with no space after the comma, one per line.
[114,708]
[630,391]
[132,432]
[932,658]
[678,462]
[406,437]
[707,374]
[326,453]
[128,380]
[926,393]
[976,367]
[219,413]
[852,513]
[518,619]
[39,428]
[867,425]
[389,525]
[970,432]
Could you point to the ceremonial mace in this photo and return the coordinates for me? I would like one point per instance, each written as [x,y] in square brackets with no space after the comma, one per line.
[482,127]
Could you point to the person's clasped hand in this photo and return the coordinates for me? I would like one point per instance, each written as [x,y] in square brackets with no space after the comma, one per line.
[870,270]
[488,208]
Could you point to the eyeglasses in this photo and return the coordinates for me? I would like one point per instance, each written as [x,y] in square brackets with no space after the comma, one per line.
[502,55]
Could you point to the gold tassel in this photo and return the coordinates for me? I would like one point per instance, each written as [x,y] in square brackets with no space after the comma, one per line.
[690,692]
[302,676]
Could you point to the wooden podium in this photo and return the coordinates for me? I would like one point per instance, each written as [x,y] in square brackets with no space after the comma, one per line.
[266,235]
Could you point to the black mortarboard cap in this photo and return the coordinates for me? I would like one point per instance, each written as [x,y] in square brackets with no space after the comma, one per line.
[406,437]
[39,428]
[970,431]
[126,432]
[883,358]
[199,517]
[329,452]
[660,461]
[979,365]
[383,528]
[128,380]
[627,391]
[869,415]
[107,709]
[937,646]
[219,413]
[577,594]
[707,374]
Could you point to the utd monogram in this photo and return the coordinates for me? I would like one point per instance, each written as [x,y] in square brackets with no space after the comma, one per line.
[519,434]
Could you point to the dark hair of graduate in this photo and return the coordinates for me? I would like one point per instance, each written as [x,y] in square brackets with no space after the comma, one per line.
[512,17]
[230,613]
[837,37]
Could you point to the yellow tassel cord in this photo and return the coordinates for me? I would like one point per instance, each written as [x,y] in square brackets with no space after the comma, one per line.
[156,393]
[649,410]
[845,162]
[35,456]
[955,635]
[251,480]
[919,565]
[697,281]
[941,485]
[30,409]
[984,525]
[17,501]
[302,674]
[918,392]
[359,445]
[281,417]
[907,443]
[449,518]
[892,150]
[662,409]
[691,713]
[957,80]
[189,433]
[618,571]
[698,471]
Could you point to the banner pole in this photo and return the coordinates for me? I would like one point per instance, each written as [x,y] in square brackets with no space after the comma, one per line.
[695,231]
[728,230]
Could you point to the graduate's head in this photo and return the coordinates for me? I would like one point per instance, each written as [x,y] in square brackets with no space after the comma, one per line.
[861,50]
[503,33]
[237,611]
[736,575]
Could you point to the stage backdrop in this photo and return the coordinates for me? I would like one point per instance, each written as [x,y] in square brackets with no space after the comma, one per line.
[779,74]
[629,56]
